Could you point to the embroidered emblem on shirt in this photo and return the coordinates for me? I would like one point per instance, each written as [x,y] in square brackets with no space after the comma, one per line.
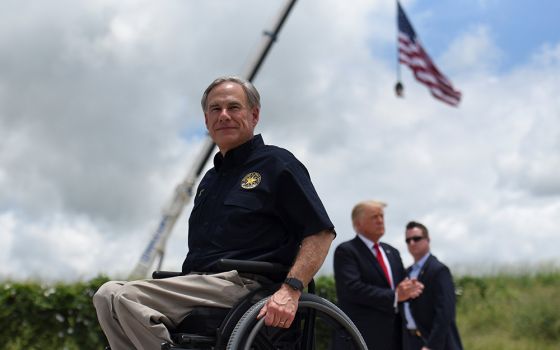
[251,180]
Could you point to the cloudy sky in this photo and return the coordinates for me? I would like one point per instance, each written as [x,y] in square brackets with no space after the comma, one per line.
[100,120]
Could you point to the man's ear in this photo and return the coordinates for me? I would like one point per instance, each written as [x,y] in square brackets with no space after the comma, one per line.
[255,114]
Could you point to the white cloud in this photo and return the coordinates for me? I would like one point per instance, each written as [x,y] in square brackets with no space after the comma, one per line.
[530,164]
[475,50]
[60,247]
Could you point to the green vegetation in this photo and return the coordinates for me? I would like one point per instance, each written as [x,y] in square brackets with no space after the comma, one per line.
[59,316]
[512,312]
[506,311]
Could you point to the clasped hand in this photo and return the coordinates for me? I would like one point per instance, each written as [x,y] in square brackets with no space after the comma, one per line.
[409,289]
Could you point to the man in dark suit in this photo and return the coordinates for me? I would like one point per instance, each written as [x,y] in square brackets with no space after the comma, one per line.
[430,318]
[371,280]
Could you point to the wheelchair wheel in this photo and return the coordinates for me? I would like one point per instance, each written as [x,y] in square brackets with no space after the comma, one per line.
[324,318]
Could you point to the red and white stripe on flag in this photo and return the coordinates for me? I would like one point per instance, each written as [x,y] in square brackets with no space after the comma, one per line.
[412,54]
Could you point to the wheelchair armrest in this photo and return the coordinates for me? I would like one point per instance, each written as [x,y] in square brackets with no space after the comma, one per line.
[242,266]
[165,274]
[257,267]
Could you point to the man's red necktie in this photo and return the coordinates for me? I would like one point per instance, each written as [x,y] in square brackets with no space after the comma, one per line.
[381,262]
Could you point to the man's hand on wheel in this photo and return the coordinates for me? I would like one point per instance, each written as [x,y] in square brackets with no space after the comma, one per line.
[280,309]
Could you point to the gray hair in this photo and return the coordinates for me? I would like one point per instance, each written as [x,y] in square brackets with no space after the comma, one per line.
[253,97]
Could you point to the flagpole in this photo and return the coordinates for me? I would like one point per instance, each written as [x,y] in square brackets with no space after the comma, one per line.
[399,88]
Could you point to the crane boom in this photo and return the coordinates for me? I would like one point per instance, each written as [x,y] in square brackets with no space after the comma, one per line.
[182,195]
[184,191]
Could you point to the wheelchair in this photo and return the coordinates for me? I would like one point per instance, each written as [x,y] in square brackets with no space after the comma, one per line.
[212,328]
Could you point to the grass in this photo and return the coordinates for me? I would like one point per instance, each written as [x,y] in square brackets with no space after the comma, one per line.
[513,312]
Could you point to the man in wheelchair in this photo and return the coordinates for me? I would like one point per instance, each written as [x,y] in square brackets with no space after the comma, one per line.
[256,204]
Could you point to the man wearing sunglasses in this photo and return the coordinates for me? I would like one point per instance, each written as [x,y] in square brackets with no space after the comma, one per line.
[429,320]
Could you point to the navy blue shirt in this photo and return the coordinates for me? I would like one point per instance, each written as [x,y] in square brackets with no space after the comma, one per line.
[257,203]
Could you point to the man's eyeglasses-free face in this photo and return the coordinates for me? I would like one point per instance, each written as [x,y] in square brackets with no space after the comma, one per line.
[416,239]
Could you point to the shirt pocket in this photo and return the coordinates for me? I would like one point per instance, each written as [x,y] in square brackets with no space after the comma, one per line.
[247,200]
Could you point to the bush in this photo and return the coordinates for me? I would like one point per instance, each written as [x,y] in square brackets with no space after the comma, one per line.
[35,316]
[513,312]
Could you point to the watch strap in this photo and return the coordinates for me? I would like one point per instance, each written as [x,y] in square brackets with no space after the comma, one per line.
[294,283]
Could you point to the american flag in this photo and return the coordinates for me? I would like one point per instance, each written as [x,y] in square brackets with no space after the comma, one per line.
[413,55]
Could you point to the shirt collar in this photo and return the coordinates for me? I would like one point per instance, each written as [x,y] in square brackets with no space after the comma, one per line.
[368,242]
[237,155]
[420,263]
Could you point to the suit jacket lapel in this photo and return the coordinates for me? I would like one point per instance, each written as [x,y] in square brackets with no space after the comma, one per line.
[371,257]
[425,268]
[391,260]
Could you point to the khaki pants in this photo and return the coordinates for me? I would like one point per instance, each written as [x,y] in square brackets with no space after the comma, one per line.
[137,314]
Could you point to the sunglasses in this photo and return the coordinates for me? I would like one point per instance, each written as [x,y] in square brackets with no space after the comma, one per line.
[416,239]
